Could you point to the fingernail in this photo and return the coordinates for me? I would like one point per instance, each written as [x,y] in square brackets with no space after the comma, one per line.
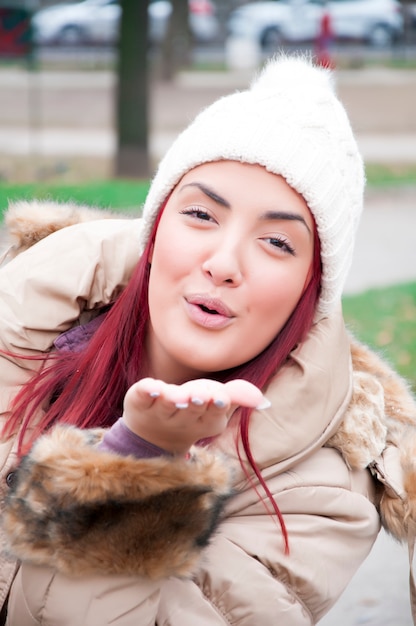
[182,405]
[154,394]
[266,404]
[220,404]
[197,401]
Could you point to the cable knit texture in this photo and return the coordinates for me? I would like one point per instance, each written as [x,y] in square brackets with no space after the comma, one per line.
[292,123]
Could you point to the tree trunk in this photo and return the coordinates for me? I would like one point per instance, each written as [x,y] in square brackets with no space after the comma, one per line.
[132,160]
[177,43]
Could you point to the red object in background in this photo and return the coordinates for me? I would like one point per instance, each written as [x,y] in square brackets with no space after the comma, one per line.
[201,6]
[324,42]
[15,33]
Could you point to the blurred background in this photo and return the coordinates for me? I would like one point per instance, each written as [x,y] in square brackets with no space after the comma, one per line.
[92,93]
[101,87]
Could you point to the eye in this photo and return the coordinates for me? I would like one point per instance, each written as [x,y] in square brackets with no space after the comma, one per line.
[281,243]
[198,213]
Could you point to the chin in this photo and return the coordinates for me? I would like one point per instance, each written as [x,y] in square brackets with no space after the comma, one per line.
[210,366]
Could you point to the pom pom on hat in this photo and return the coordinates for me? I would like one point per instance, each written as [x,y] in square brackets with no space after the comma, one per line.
[291,122]
[293,73]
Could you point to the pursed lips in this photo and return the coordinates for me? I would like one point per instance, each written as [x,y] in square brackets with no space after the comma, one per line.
[207,312]
[214,306]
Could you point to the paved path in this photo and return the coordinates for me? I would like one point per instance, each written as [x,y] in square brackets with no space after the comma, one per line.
[65,142]
[385,251]
[378,595]
[68,114]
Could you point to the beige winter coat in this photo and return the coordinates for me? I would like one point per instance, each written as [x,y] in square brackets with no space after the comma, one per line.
[111,540]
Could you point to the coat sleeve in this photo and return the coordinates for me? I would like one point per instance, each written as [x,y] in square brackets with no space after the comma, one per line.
[44,290]
[246,576]
[41,596]
[242,592]
[82,510]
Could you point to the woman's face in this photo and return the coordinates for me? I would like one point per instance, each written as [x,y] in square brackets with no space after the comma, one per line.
[231,258]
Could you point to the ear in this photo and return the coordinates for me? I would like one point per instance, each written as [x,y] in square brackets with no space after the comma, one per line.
[151,253]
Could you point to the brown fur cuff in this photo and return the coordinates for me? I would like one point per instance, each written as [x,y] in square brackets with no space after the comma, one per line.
[80,509]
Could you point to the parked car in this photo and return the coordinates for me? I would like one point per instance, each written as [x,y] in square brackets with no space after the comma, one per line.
[97,21]
[90,21]
[412,11]
[376,22]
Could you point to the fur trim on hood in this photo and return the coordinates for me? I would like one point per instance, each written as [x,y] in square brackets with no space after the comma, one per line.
[29,222]
[379,432]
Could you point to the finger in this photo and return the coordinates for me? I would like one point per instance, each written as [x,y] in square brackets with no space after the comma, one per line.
[152,386]
[150,393]
[167,399]
[170,398]
[243,393]
[205,392]
[142,395]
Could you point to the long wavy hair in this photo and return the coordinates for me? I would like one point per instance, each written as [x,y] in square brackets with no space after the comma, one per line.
[86,388]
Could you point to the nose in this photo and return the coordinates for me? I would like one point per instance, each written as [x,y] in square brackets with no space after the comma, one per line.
[223,266]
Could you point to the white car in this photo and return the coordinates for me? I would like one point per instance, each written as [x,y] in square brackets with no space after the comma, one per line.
[377,22]
[97,21]
[90,21]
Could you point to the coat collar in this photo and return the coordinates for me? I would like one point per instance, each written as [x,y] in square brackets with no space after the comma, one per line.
[309,397]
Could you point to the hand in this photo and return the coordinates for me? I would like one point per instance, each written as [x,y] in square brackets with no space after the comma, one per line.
[174,417]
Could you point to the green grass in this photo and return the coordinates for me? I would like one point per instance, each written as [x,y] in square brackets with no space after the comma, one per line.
[391,175]
[109,194]
[394,62]
[386,320]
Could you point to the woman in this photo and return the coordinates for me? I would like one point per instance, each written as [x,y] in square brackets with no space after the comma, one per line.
[235,488]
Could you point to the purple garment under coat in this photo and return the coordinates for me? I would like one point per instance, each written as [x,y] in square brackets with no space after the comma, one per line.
[119,438]
[76,338]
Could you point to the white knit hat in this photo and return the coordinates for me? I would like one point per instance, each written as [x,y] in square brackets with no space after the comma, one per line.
[291,122]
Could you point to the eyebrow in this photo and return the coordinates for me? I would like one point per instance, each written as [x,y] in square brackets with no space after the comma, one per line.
[210,193]
[267,216]
[284,216]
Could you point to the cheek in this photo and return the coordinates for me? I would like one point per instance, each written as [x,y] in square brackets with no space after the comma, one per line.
[173,247]
[167,258]
[279,291]
[170,266]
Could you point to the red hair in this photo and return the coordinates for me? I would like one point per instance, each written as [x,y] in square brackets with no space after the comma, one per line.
[87,388]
